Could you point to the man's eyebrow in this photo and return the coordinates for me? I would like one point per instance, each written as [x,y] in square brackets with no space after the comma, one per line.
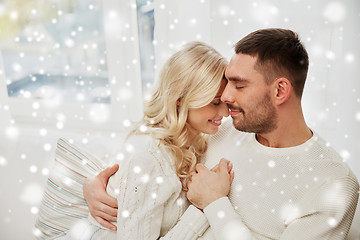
[238,79]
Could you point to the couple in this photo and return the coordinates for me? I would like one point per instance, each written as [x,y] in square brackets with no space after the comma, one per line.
[282,180]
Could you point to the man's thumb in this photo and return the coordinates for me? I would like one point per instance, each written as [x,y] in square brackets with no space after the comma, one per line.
[223,167]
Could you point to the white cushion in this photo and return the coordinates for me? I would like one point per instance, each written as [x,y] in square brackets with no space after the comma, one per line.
[63,203]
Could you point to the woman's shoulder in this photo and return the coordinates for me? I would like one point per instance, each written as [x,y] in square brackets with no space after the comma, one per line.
[145,151]
[142,155]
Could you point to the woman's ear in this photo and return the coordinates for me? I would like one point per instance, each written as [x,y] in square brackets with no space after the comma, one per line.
[282,87]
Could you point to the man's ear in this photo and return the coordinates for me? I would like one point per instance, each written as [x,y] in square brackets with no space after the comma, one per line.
[282,90]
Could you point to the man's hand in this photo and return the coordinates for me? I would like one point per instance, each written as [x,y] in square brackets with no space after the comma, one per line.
[102,206]
[207,186]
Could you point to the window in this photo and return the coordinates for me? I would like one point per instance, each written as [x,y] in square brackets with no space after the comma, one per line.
[58,51]
[145,11]
[61,59]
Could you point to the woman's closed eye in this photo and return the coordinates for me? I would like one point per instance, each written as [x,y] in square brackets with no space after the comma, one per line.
[216,103]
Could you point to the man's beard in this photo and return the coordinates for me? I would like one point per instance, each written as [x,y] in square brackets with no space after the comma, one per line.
[260,119]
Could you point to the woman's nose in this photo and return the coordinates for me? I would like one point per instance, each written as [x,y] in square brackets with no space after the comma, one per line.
[224,110]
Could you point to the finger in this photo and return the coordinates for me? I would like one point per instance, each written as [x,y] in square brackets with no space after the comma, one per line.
[108,172]
[224,160]
[200,167]
[107,210]
[232,175]
[230,166]
[106,224]
[109,200]
[215,168]
[223,167]
[106,216]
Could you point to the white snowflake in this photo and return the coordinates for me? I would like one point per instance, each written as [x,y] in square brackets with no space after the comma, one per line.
[34,210]
[357,116]
[120,156]
[43,132]
[125,214]
[137,169]
[3,161]
[289,212]
[45,171]
[345,154]
[349,57]
[334,12]
[33,169]
[32,194]
[12,132]
[271,164]
[47,147]
[221,214]
[332,221]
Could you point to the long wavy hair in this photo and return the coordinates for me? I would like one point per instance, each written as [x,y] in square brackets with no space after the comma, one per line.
[190,78]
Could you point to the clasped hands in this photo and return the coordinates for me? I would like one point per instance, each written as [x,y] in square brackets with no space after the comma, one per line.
[204,187]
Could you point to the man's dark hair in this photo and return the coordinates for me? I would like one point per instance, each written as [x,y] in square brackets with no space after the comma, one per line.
[279,53]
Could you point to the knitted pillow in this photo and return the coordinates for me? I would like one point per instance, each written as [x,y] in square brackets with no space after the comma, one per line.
[63,203]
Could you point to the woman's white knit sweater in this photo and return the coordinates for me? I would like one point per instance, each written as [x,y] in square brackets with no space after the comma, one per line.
[150,198]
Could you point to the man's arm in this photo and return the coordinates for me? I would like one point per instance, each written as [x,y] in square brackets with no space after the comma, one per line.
[326,213]
[102,206]
[208,191]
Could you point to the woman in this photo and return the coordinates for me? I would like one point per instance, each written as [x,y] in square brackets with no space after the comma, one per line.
[164,148]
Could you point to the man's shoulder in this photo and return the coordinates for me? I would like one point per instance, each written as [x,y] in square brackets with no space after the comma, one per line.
[328,157]
[324,149]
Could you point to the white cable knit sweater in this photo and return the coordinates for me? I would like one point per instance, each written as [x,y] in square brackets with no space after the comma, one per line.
[305,192]
[299,193]
[150,198]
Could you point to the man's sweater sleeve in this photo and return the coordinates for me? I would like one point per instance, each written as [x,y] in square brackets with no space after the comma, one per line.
[327,213]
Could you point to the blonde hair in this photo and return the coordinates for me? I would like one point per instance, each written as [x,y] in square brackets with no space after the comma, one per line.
[190,78]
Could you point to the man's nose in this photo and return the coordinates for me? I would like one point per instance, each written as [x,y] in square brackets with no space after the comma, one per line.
[227,95]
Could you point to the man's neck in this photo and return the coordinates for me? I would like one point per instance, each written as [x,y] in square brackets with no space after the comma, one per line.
[291,131]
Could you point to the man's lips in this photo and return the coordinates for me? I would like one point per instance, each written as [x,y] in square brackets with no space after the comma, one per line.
[234,112]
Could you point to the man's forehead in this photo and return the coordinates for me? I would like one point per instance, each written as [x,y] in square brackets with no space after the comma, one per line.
[240,66]
[236,63]
[232,66]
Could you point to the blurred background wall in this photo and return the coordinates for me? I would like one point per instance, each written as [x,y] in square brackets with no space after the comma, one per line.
[80,69]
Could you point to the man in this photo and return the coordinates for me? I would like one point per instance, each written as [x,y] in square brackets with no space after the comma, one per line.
[288,183]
